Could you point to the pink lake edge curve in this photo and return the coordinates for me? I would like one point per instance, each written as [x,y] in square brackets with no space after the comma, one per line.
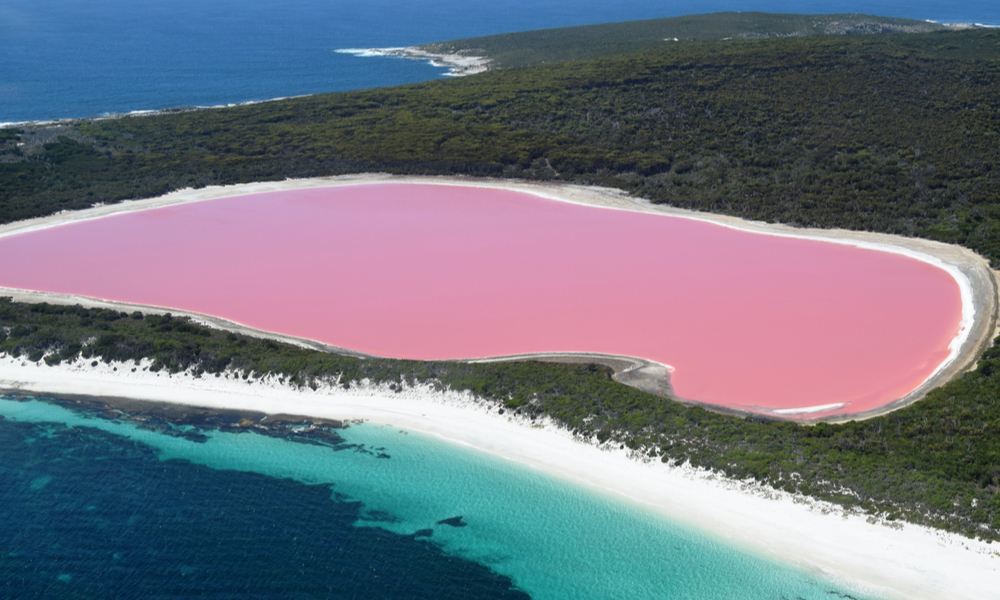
[774,324]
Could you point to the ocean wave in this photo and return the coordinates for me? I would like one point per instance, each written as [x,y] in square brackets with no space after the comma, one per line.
[369,51]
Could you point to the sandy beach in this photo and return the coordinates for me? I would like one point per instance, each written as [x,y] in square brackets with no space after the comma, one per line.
[976,280]
[886,559]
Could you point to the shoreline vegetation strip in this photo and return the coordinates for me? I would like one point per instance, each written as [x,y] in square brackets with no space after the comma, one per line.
[932,463]
[893,134]
[864,553]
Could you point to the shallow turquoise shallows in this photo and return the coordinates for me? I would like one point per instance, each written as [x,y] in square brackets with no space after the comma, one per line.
[551,538]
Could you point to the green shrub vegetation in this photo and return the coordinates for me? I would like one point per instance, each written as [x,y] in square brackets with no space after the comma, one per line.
[893,133]
[593,41]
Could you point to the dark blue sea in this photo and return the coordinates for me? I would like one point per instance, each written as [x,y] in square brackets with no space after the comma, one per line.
[99,507]
[82,58]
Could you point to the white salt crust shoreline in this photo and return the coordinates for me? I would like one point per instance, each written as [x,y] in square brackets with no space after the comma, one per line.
[892,560]
[976,282]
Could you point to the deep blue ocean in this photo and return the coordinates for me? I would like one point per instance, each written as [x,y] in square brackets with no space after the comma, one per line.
[99,508]
[82,58]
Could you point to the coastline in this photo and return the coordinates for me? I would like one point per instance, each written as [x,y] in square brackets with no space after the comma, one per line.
[458,65]
[149,112]
[861,552]
[976,281]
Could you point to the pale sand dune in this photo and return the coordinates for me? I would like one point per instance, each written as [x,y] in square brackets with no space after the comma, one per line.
[903,561]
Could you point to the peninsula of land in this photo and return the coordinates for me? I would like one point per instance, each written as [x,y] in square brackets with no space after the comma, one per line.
[909,565]
[886,133]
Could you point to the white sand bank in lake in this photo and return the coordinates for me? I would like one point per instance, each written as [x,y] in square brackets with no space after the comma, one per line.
[904,561]
[976,281]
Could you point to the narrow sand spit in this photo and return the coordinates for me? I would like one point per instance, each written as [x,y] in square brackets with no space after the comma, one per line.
[884,559]
[975,279]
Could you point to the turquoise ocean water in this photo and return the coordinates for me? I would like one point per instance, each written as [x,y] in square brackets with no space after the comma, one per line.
[98,508]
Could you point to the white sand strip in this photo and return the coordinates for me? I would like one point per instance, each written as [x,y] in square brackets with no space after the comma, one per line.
[892,560]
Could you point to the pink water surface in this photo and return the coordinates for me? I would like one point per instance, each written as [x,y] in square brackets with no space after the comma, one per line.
[421,271]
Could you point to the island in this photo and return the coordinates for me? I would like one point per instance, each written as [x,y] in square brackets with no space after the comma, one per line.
[890,135]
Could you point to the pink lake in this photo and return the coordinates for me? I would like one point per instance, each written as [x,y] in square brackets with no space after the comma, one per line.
[434,272]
